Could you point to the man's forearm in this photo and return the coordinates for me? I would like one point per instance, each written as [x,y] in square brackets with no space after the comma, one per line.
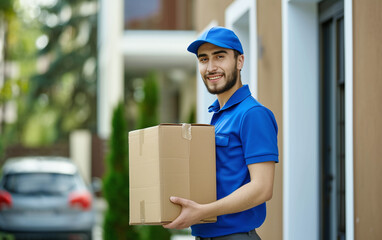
[245,197]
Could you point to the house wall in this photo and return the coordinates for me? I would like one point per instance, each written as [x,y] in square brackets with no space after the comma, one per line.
[207,11]
[270,95]
[367,85]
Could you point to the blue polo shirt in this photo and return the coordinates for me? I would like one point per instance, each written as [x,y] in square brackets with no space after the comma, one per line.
[246,133]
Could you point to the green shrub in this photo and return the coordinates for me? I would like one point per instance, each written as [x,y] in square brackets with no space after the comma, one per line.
[116,182]
[148,116]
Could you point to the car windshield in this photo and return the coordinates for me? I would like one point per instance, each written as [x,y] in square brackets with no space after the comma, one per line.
[39,183]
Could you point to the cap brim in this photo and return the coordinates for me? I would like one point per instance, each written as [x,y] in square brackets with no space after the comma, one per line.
[194,46]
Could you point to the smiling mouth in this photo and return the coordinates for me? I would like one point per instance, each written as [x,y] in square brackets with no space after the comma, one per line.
[214,77]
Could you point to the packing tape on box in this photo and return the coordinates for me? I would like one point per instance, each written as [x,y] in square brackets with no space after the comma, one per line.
[186,131]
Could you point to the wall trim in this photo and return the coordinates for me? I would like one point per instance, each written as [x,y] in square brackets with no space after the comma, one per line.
[300,120]
[349,161]
[240,16]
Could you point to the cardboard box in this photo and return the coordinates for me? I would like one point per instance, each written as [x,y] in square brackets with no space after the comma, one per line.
[170,160]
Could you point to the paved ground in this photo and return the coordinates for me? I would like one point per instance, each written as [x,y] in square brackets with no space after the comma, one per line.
[182,238]
[100,205]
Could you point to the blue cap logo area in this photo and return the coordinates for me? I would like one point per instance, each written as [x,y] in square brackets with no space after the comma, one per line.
[219,36]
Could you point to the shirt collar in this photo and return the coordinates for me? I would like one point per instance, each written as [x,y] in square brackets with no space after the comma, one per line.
[240,94]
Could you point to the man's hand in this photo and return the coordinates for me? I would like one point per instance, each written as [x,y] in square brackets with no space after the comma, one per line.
[191,214]
[257,191]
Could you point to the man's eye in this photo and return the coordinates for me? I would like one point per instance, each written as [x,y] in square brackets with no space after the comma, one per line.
[202,60]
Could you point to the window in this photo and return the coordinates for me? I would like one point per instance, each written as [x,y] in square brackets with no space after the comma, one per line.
[158,14]
[40,183]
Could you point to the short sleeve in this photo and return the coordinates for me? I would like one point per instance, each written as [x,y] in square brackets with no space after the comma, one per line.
[258,134]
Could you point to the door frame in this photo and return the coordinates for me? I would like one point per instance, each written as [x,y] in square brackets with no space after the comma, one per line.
[301,121]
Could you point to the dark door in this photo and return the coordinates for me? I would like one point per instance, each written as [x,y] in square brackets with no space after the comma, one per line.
[332,120]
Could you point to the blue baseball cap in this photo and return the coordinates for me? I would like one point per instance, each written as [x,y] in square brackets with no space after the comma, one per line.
[219,36]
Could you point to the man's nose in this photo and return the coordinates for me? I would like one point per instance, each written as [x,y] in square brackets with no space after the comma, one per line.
[211,67]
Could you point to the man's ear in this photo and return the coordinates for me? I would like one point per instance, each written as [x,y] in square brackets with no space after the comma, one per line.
[240,62]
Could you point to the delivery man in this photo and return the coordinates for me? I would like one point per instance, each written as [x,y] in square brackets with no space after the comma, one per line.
[246,146]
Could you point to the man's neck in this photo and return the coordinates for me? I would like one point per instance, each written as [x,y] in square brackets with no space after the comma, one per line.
[225,96]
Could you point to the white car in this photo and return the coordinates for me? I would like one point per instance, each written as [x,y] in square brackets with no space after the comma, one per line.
[45,198]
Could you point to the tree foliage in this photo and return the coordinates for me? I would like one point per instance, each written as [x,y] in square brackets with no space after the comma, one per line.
[6,7]
[62,91]
[18,59]
[148,107]
[53,44]
[116,182]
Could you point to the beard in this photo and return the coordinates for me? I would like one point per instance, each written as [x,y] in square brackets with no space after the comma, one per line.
[231,81]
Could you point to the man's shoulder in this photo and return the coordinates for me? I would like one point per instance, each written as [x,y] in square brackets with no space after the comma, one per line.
[249,103]
[250,106]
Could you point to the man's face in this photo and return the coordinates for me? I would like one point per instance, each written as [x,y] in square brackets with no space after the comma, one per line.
[218,67]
